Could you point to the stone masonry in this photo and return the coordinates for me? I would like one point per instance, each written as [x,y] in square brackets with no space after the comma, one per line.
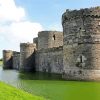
[81,49]
[74,53]
[7,59]
[16,60]
[27,57]
[49,56]
[50,60]
[49,39]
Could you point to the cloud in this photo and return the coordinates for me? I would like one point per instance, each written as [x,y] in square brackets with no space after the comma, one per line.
[25,30]
[20,31]
[15,26]
[10,12]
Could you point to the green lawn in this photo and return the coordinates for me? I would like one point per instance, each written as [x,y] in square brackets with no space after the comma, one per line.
[1,62]
[10,93]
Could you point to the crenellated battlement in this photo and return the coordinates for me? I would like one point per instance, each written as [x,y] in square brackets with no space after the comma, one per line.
[93,12]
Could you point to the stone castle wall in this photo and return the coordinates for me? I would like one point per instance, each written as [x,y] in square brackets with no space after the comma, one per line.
[50,60]
[75,53]
[81,49]
[49,39]
[16,60]
[7,59]
[27,57]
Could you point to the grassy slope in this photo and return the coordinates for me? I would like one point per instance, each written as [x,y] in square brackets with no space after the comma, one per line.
[1,62]
[10,93]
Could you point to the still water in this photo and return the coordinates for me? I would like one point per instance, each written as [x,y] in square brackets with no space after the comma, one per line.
[51,87]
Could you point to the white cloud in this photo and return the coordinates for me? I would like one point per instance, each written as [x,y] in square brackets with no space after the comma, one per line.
[10,12]
[14,28]
[21,31]
[25,30]
[14,34]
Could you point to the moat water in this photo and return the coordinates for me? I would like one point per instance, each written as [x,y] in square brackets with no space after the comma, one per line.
[51,87]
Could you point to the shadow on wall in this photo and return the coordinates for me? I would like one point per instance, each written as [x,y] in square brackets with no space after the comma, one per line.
[30,63]
[8,64]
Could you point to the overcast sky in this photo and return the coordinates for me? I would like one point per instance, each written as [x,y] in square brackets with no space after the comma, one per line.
[20,20]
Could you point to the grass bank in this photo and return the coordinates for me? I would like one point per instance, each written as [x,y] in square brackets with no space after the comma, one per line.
[10,93]
[1,62]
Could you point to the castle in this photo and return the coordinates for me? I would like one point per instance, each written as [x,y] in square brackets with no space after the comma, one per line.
[74,53]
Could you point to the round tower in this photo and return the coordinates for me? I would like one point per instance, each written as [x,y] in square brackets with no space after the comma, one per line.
[7,59]
[27,57]
[81,50]
[49,39]
[35,40]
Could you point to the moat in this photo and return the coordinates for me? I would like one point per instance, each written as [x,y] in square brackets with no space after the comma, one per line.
[51,87]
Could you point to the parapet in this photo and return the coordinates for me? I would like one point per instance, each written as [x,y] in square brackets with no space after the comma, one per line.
[44,33]
[7,51]
[28,44]
[87,12]
[48,32]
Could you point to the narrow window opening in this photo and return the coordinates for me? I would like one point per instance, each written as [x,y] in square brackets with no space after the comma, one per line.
[81,60]
[54,37]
